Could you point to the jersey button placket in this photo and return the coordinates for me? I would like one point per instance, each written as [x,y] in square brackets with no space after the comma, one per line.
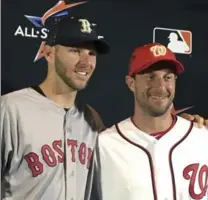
[66,148]
[71,165]
[71,179]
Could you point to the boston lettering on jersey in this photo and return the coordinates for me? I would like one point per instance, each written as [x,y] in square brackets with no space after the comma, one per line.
[48,155]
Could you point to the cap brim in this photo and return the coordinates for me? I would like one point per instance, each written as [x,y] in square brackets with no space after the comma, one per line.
[178,66]
[101,46]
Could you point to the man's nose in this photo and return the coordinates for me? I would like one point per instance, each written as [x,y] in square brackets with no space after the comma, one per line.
[85,57]
[159,82]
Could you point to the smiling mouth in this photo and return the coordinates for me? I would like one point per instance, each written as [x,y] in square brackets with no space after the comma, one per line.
[82,73]
[158,97]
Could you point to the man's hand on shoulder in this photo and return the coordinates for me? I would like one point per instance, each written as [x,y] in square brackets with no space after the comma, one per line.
[199,121]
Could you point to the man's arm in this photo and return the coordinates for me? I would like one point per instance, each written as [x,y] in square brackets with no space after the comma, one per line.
[6,146]
[98,121]
[93,186]
[199,121]
[96,193]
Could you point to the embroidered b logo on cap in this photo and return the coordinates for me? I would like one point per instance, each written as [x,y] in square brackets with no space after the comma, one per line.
[86,26]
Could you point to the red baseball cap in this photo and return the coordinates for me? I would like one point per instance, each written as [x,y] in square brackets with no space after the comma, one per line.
[147,55]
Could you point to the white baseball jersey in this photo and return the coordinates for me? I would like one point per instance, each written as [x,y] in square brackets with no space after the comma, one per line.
[45,151]
[137,166]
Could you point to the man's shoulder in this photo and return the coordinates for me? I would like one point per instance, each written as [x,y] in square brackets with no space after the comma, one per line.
[198,134]
[113,131]
[201,132]
[186,122]
[16,98]
[93,118]
[108,131]
[16,93]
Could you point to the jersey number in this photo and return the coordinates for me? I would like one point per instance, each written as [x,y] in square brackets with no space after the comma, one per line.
[190,173]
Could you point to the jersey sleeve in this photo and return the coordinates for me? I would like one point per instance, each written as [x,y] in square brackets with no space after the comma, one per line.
[8,131]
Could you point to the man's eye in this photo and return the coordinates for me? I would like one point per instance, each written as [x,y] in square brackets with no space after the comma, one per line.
[151,76]
[169,77]
[92,53]
[75,50]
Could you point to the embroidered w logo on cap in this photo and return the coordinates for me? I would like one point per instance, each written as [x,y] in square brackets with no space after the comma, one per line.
[145,56]
[158,50]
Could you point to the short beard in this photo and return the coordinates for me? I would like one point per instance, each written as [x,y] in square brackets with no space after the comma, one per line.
[61,71]
[157,113]
[70,83]
[152,111]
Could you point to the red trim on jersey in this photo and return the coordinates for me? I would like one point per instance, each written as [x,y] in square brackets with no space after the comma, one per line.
[158,135]
[170,159]
[149,157]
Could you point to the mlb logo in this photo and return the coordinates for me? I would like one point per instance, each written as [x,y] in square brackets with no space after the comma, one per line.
[178,41]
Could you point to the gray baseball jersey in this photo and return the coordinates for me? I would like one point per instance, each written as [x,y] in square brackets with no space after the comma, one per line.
[45,151]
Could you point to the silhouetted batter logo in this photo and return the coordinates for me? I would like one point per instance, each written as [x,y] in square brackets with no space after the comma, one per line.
[178,41]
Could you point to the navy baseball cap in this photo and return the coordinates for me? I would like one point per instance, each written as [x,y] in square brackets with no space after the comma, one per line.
[69,31]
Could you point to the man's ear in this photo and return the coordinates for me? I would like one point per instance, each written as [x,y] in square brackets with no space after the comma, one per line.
[49,53]
[130,81]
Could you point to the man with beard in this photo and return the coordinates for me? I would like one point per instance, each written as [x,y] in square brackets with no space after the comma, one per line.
[47,136]
[153,155]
